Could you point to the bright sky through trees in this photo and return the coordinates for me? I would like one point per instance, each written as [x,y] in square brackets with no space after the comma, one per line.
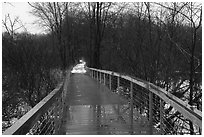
[21,10]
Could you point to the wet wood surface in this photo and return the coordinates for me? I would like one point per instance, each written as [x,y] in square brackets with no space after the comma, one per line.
[92,109]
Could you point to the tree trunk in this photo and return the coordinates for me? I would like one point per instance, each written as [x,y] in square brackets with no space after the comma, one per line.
[97,38]
[192,72]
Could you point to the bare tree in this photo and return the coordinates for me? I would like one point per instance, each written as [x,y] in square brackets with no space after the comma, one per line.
[12,26]
[51,15]
[191,15]
[98,13]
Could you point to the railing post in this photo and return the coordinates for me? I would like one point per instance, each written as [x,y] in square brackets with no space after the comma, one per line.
[97,75]
[118,84]
[104,78]
[100,77]
[150,112]
[161,116]
[118,81]
[110,81]
[131,107]
[56,116]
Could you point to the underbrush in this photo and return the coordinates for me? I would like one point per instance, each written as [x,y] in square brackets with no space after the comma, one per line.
[21,92]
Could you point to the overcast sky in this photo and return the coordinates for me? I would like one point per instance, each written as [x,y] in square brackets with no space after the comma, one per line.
[21,10]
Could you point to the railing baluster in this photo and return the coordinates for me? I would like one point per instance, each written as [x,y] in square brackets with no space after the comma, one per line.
[56,111]
[155,113]
[110,81]
[100,77]
[150,112]
[94,74]
[45,117]
[118,82]
[104,78]
[161,115]
[131,107]
[97,75]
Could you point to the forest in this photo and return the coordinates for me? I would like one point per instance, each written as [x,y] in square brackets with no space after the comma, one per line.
[157,42]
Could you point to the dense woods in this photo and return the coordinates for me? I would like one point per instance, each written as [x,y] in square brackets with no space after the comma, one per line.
[157,42]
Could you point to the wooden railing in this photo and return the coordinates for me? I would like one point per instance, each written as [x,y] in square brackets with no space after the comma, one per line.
[163,110]
[46,117]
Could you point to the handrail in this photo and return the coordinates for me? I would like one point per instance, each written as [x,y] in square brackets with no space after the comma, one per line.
[185,109]
[29,120]
[23,125]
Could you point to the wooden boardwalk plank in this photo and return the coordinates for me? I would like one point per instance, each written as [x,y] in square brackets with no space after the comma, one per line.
[91,109]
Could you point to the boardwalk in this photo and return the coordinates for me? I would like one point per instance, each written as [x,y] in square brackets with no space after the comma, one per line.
[83,106]
[92,108]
